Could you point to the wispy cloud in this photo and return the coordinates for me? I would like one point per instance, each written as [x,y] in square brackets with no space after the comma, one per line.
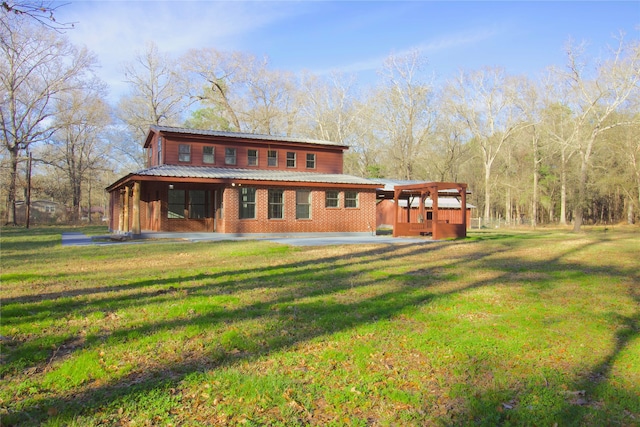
[435,46]
[117,30]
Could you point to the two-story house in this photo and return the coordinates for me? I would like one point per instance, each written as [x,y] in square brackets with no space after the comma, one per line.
[211,181]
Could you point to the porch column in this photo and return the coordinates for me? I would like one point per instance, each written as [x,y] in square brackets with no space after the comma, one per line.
[125,208]
[463,206]
[396,196]
[135,228]
[121,213]
[434,203]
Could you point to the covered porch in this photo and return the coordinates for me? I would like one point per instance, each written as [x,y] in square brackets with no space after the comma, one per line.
[428,223]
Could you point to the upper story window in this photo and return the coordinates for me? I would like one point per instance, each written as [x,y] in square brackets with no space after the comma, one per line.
[252,157]
[291,159]
[272,158]
[230,156]
[311,161]
[331,199]
[350,199]
[208,154]
[159,150]
[184,153]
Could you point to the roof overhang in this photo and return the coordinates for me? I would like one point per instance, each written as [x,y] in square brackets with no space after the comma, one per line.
[411,189]
[231,177]
[235,137]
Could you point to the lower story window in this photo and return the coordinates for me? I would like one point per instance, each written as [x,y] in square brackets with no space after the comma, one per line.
[192,204]
[247,203]
[350,199]
[276,204]
[176,203]
[331,199]
[198,206]
[303,204]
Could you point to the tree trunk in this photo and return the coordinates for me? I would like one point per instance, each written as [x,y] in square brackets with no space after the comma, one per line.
[11,193]
[563,190]
[582,196]
[487,193]
[534,202]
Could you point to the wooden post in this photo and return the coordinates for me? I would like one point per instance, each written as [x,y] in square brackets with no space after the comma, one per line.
[127,193]
[121,213]
[135,228]
[463,206]
[434,203]
[396,196]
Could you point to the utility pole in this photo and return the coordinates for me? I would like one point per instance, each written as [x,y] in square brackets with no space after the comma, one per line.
[28,196]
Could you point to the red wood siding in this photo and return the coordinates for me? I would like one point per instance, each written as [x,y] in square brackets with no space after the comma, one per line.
[328,159]
[385,211]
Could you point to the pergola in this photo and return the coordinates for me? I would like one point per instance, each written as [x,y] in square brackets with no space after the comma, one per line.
[439,229]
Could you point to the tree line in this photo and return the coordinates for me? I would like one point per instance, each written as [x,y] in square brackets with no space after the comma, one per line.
[561,147]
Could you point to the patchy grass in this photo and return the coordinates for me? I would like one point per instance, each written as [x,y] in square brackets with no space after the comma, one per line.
[504,328]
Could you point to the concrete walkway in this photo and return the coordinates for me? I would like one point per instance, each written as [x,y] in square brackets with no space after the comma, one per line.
[303,239]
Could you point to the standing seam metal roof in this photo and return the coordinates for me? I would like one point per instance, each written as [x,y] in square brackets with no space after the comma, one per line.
[257,137]
[171,171]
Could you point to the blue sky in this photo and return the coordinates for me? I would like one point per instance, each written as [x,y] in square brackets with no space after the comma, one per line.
[351,36]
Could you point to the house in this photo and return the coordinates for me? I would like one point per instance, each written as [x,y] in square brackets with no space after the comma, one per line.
[41,211]
[408,207]
[225,182]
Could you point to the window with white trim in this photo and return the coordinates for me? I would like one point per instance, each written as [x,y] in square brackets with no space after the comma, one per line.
[311,161]
[291,159]
[350,199]
[252,157]
[230,156]
[208,154]
[184,153]
[276,204]
[303,204]
[331,199]
[272,158]
[247,203]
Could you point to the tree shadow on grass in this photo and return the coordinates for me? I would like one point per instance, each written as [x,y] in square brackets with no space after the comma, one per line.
[304,310]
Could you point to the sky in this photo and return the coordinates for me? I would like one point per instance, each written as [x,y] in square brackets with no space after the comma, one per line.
[351,37]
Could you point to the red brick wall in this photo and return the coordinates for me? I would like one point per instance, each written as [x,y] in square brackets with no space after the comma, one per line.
[153,213]
[361,219]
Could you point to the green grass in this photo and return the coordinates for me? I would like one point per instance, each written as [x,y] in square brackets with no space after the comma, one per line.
[503,328]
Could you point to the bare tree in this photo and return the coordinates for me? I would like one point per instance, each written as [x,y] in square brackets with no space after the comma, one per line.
[406,111]
[486,103]
[156,95]
[219,79]
[269,105]
[595,98]
[38,66]
[329,107]
[77,148]
[40,11]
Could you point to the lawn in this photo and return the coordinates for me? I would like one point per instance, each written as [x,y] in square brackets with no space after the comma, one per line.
[503,328]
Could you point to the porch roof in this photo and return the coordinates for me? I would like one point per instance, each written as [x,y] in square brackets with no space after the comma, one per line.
[167,172]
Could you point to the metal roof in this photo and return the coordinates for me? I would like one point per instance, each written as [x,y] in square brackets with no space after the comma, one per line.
[390,185]
[177,171]
[241,135]
[443,203]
